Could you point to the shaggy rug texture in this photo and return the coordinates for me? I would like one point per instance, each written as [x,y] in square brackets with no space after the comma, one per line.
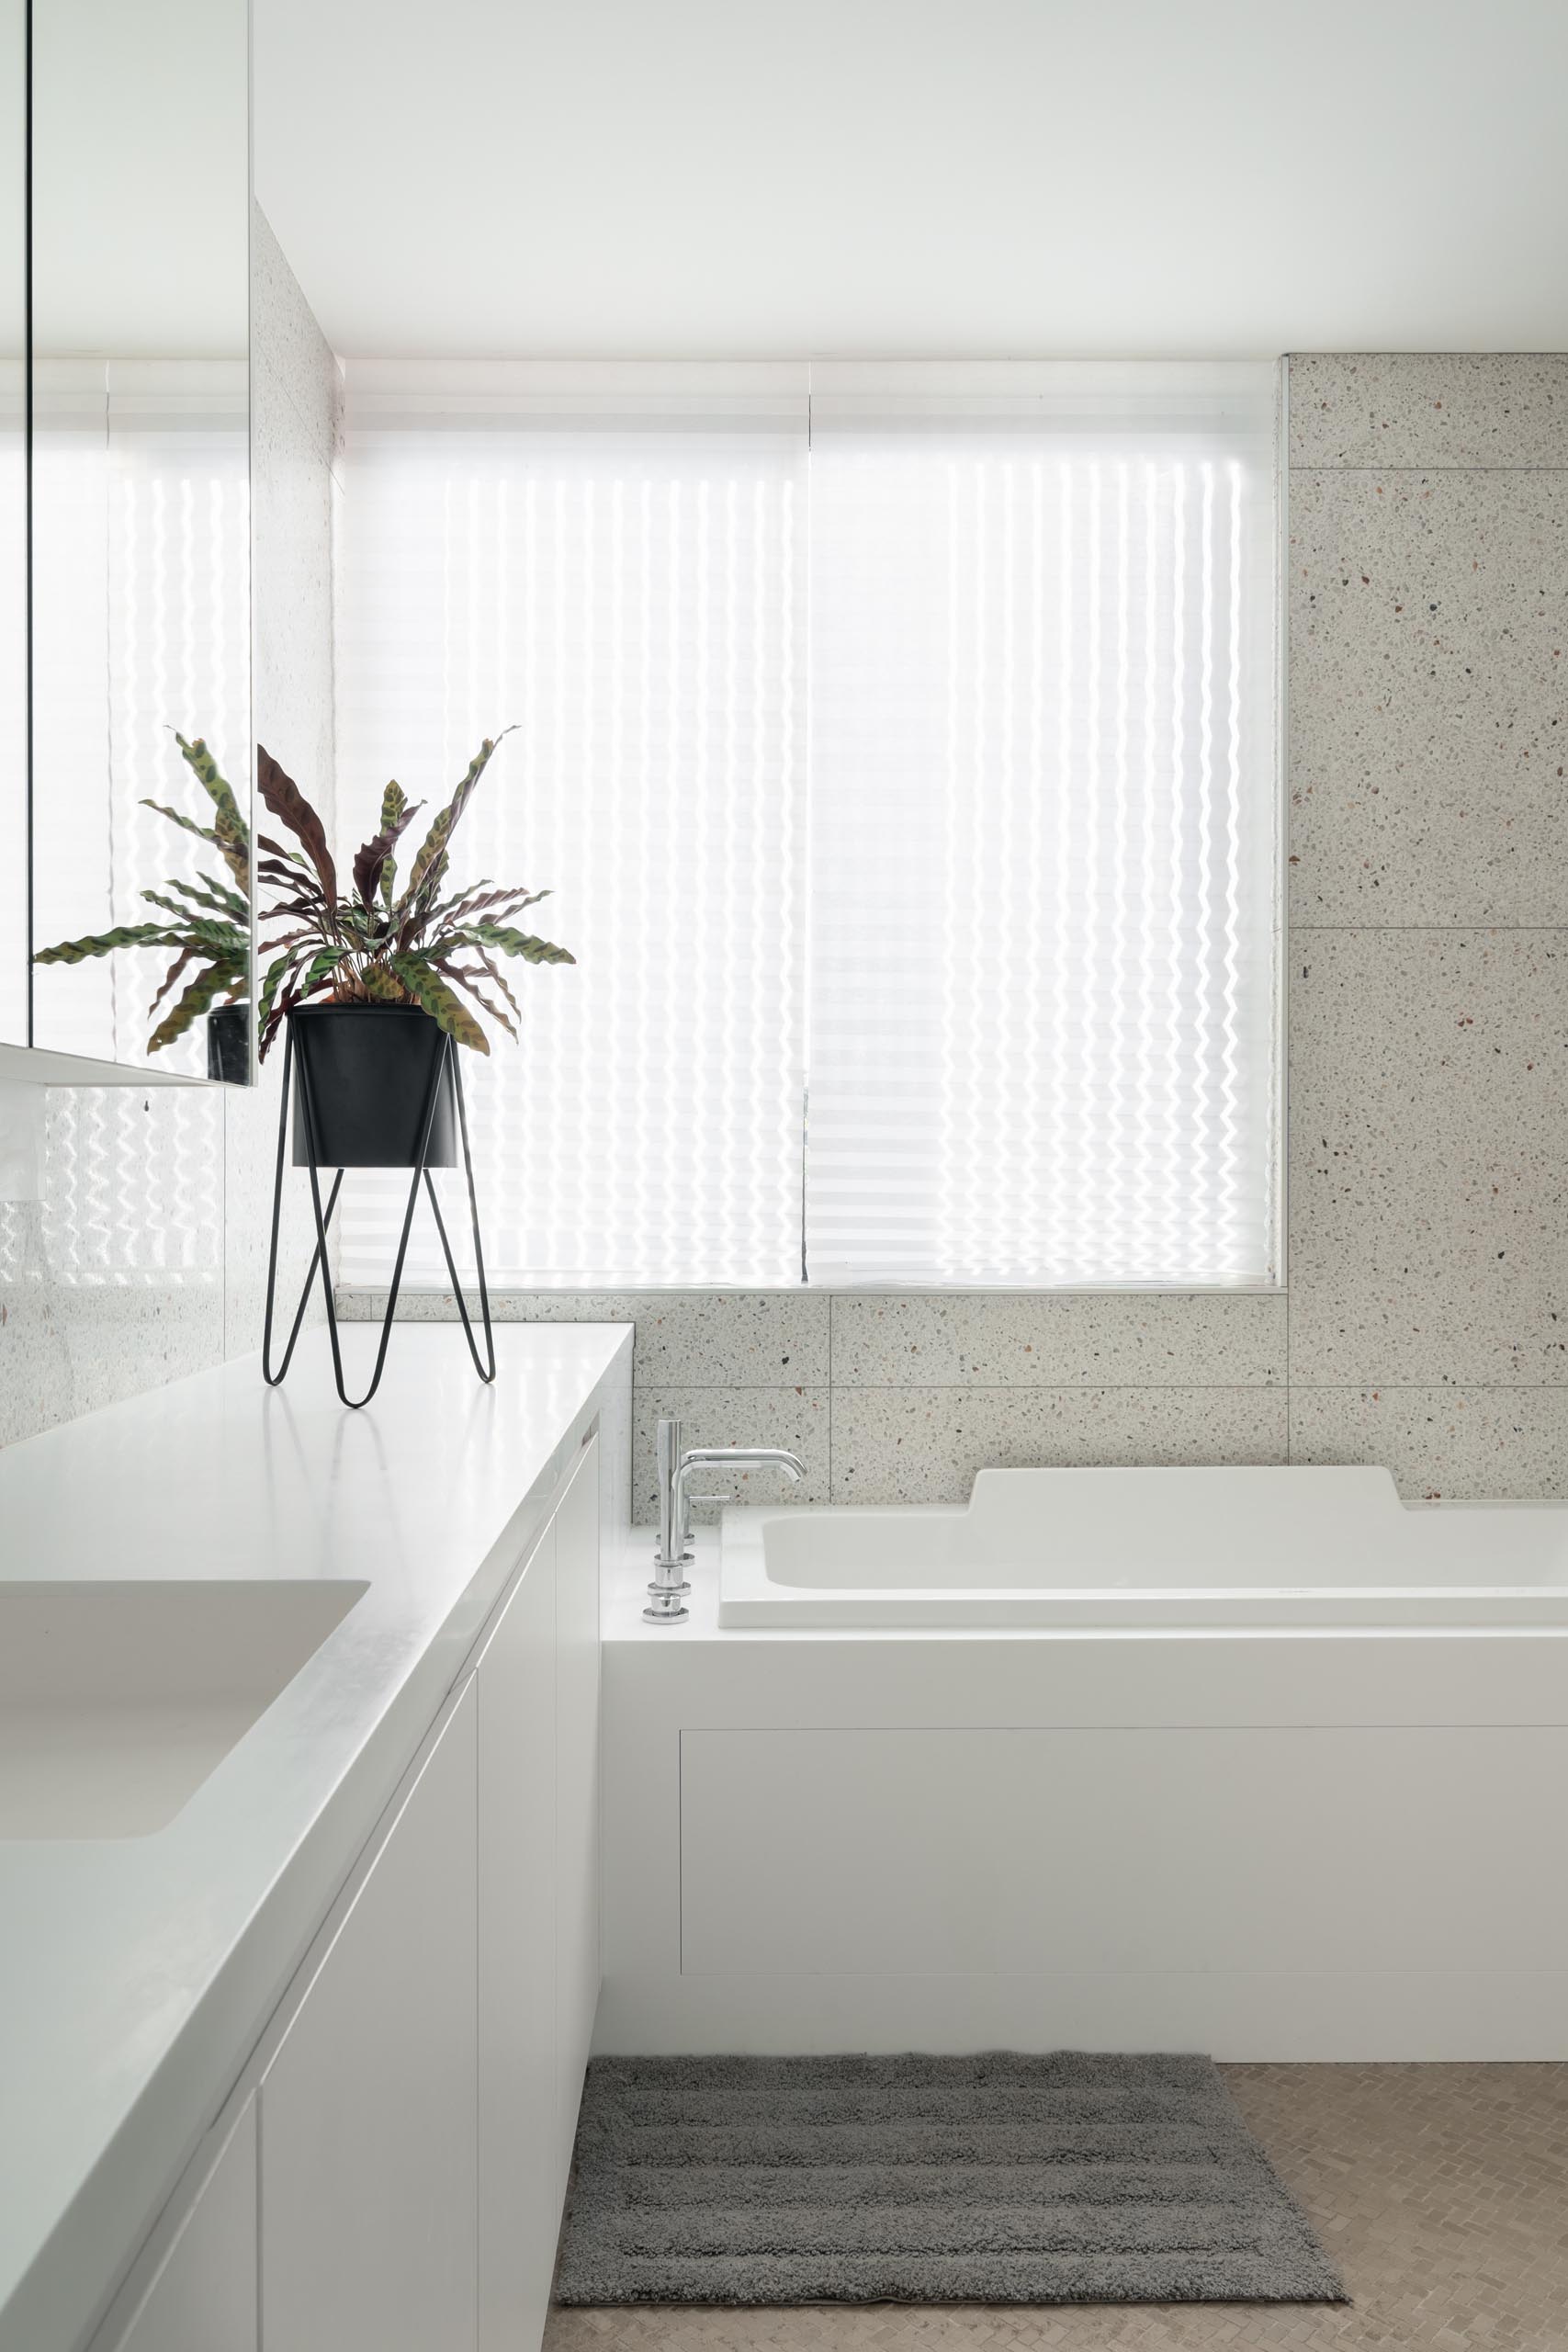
[1001,2178]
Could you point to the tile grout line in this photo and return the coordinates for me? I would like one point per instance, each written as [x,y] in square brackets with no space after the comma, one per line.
[831,1496]
[1377,472]
[1115,1387]
[1439,930]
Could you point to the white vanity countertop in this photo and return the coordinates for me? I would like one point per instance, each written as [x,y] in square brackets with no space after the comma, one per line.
[137,1973]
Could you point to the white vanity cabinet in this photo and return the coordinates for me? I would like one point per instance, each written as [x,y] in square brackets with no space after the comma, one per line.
[195,2289]
[519,2209]
[418,2117]
[369,2110]
[397,2178]
[576,1797]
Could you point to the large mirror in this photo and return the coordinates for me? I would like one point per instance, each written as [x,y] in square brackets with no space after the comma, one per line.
[141,619]
[13,523]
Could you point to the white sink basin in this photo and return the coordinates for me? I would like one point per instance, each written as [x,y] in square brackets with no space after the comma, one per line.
[117,1700]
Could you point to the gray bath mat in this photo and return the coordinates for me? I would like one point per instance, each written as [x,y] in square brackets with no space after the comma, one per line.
[993,2180]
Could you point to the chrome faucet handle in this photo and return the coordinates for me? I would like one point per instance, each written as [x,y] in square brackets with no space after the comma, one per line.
[673,1551]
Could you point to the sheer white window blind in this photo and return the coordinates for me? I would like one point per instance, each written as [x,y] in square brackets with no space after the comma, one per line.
[140,494]
[901,743]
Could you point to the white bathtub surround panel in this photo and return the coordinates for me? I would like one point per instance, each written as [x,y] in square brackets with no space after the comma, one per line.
[705,1339]
[1441,1443]
[1200,1339]
[1430,408]
[797,1418]
[153,1963]
[1114,1805]
[1064,1853]
[1428,632]
[1429,1157]
[924,1445]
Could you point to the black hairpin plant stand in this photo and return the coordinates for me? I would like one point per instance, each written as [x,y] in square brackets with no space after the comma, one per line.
[445,1056]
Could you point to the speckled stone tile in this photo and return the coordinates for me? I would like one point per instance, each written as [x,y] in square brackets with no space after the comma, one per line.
[1037,1340]
[795,1417]
[289,352]
[924,1445]
[1439,2191]
[714,1339]
[1429,1159]
[1454,1445]
[291,495]
[1429,706]
[113,1282]
[1441,408]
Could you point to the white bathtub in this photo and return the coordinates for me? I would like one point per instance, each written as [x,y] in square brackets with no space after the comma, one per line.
[1257,1761]
[1261,1548]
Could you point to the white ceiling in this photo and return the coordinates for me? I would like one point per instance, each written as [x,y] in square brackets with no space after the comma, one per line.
[784,177]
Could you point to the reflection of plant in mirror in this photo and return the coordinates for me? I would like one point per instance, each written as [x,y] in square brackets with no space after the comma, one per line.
[379,946]
[206,922]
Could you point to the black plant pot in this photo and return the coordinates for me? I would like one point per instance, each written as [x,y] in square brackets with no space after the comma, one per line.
[368,1068]
[228,1043]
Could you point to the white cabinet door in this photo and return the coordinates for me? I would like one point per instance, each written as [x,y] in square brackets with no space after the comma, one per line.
[369,2111]
[202,2297]
[519,2208]
[577,1794]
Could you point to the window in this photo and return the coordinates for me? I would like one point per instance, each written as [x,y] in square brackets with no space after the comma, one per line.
[900,745]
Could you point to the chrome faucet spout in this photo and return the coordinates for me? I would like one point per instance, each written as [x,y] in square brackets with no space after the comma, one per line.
[672,1555]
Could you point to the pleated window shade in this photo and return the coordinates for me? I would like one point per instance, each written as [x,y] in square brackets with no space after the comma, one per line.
[901,743]
[141,624]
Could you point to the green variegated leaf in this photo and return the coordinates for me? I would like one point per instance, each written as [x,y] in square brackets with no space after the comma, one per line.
[515,943]
[501,982]
[186,955]
[222,938]
[232,833]
[104,942]
[440,833]
[320,969]
[205,892]
[380,986]
[372,858]
[273,980]
[470,981]
[196,999]
[430,991]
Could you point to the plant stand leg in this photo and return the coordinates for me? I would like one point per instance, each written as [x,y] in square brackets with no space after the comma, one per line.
[485,1375]
[318,1255]
[324,1221]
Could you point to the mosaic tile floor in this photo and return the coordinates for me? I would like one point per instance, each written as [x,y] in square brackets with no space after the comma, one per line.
[1440,2191]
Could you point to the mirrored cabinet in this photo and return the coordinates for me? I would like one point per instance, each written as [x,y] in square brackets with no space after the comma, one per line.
[125,717]
[14,864]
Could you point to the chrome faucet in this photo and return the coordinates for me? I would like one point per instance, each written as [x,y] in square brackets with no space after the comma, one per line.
[674,1554]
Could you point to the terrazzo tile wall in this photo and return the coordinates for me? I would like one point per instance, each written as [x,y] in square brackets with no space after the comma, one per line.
[145,1258]
[1424,1324]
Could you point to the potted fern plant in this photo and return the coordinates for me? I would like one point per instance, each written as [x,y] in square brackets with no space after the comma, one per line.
[372,980]
[207,922]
